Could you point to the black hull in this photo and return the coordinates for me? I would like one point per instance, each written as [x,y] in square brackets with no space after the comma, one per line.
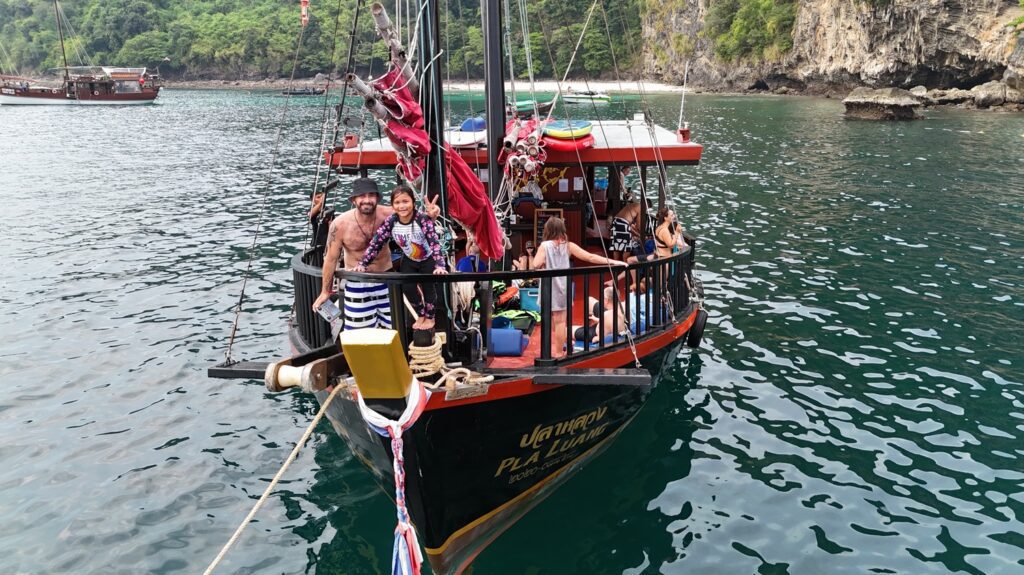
[473,470]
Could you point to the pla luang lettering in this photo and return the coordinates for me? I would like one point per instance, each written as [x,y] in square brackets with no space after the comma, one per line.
[551,442]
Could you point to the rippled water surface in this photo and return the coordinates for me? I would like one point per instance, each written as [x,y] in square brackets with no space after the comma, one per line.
[858,405]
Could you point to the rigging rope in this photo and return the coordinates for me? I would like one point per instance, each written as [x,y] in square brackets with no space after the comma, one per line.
[263,202]
[273,482]
[324,116]
[579,159]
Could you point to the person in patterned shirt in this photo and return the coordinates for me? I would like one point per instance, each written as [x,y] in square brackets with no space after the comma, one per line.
[415,234]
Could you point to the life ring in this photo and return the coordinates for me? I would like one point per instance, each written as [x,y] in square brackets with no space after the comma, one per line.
[53,91]
[95,92]
[568,130]
[556,145]
[696,332]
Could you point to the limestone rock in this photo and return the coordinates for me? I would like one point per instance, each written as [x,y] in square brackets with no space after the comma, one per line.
[842,43]
[989,94]
[1014,96]
[951,96]
[881,104]
[919,92]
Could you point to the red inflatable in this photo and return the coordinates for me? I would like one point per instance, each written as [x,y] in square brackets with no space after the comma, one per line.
[556,145]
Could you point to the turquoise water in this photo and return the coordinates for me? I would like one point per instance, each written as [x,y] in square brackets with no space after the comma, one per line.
[858,405]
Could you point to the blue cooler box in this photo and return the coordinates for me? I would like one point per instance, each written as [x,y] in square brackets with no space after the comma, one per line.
[529,299]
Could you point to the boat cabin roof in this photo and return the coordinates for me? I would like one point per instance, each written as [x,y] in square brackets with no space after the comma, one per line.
[627,142]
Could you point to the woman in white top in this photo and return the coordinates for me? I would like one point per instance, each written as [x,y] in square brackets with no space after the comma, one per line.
[554,253]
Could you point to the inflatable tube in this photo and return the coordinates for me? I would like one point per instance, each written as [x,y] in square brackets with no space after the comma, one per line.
[556,145]
[563,130]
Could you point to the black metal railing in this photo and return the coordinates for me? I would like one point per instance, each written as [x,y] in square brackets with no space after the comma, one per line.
[650,295]
[307,275]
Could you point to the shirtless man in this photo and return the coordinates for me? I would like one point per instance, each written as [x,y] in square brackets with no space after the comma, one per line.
[614,320]
[366,303]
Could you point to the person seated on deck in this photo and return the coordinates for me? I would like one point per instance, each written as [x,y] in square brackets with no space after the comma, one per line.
[414,232]
[614,320]
[554,253]
[523,261]
[471,262]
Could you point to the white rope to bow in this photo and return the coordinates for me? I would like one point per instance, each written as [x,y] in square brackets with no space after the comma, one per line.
[273,482]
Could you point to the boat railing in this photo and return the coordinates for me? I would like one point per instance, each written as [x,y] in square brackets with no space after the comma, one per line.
[663,298]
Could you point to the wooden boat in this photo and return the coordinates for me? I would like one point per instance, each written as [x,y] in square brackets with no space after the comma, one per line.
[527,107]
[481,454]
[82,85]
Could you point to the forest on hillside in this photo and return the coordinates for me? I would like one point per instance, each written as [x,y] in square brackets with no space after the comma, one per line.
[255,39]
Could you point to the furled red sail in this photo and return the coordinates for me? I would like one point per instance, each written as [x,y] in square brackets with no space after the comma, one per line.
[468,202]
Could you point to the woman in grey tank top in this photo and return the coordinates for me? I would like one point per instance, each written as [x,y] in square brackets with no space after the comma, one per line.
[554,254]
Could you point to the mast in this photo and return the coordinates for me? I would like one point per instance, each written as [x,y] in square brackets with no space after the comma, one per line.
[494,85]
[435,179]
[60,30]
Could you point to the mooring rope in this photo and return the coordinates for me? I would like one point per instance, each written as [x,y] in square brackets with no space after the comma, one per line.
[274,481]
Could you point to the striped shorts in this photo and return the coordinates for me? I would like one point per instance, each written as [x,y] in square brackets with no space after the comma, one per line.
[366,305]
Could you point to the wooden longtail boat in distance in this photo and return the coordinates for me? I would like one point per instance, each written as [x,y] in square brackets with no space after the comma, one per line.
[82,85]
[481,453]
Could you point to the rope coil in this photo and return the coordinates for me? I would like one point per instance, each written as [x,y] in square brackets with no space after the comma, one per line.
[425,361]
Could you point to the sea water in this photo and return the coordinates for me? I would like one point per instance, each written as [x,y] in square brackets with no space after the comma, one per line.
[857,405]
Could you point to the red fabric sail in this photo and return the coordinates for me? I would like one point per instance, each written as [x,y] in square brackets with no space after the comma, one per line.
[467,200]
[468,203]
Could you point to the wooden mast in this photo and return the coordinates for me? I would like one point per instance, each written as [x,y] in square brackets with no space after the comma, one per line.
[434,176]
[494,86]
[60,31]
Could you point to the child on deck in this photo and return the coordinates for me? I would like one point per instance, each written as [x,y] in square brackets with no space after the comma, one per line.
[414,232]
[554,253]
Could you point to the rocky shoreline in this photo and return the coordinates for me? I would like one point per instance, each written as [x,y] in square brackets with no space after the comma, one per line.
[547,86]
[994,95]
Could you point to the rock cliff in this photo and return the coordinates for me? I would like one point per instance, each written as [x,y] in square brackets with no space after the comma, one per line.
[840,44]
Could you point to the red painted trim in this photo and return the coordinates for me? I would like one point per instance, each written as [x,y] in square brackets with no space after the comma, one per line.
[617,358]
[689,152]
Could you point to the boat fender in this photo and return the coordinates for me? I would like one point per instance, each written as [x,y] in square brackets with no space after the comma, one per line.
[696,333]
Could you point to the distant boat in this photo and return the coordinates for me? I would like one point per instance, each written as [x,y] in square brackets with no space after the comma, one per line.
[581,97]
[304,92]
[526,107]
[82,85]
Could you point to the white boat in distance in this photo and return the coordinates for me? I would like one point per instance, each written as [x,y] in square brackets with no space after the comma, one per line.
[583,96]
